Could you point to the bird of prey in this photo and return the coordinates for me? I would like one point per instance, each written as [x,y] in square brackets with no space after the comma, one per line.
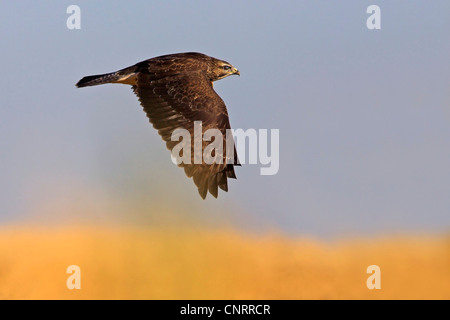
[175,91]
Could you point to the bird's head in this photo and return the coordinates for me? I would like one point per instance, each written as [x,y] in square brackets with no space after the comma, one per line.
[220,69]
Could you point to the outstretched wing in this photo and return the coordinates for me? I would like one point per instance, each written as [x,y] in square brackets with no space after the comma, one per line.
[175,100]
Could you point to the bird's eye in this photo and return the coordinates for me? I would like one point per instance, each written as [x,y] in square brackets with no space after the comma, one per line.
[226,68]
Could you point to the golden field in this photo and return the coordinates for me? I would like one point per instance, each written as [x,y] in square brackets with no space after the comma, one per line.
[201,263]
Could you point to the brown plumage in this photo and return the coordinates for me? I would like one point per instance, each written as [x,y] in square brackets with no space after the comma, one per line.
[175,90]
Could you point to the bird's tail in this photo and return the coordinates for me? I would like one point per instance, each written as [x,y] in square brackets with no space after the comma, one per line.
[97,79]
[126,76]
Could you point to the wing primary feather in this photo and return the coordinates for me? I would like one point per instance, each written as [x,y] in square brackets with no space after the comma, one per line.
[212,185]
[203,184]
[222,181]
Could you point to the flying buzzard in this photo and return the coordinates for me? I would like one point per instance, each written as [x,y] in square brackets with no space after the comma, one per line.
[175,91]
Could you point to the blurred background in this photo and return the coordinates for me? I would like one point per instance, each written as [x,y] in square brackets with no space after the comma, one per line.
[364,137]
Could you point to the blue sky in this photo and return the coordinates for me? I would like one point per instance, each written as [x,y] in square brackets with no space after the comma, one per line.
[363,115]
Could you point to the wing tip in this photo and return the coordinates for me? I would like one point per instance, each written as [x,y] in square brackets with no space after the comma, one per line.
[211,184]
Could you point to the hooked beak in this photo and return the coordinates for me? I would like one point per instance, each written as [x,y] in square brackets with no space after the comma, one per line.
[236,71]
